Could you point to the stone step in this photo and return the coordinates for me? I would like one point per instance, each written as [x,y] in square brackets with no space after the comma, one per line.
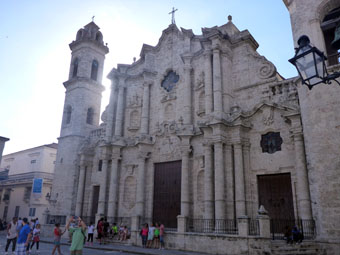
[305,248]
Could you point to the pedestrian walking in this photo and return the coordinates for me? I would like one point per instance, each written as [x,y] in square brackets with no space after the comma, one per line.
[100,229]
[78,235]
[36,237]
[24,238]
[11,234]
[90,231]
[57,236]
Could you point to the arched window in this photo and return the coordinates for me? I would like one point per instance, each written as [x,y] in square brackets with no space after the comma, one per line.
[68,115]
[75,68]
[99,37]
[89,117]
[329,25]
[94,70]
[79,34]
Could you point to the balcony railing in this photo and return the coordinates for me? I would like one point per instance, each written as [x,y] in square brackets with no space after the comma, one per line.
[53,219]
[278,228]
[213,226]
[253,227]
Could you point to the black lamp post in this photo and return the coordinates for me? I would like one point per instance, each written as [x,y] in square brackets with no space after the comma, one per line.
[310,64]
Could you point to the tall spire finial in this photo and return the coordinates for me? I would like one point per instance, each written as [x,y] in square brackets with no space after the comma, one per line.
[173,15]
[93,18]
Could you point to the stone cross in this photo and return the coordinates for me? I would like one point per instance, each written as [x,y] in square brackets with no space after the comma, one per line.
[93,18]
[173,15]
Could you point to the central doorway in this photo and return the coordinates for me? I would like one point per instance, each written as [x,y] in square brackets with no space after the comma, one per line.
[275,194]
[167,193]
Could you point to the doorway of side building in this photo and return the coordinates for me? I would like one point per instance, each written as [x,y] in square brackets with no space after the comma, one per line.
[275,194]
[167,193]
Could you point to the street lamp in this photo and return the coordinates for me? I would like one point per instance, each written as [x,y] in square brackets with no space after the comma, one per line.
[310,64]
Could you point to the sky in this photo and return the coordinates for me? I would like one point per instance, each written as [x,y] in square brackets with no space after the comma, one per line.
[35,56]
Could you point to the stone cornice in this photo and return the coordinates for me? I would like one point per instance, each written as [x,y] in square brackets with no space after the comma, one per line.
[103,48]
[80,81]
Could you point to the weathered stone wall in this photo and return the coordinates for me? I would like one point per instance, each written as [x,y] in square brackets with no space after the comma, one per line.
[321,122]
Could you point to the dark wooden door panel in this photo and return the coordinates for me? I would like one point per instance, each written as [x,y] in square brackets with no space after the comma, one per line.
[275,194]
[167,193]
[95,200]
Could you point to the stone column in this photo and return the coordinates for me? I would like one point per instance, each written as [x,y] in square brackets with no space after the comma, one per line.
[217,80]
[185,198]
[187,91]
[80,190]
[208,184]
[219,182]
[230,204]
[120,110]
[140,199]
[302,188]
[208,90]
[110,111]
[113,193]
[239,181]
[145,109]
[102,191]
[246,170]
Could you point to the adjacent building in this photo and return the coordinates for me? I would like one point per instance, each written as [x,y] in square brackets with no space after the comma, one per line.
[26,182]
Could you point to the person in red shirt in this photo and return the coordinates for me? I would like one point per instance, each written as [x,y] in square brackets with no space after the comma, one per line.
[57,236]
[100,230]
[144,234]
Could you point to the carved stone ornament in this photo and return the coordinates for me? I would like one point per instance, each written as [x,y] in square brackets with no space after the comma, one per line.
[266,70]
[268,116]
[135,101]
[200,81]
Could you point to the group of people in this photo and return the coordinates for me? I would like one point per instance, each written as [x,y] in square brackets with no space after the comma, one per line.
[293,235]
[106,231]
[23,235]
[153,236]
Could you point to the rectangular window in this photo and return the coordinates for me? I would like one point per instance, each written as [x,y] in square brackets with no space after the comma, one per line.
[33,161]
[100,165]
[31,212]
[27,194]
[16,213]
[5,212]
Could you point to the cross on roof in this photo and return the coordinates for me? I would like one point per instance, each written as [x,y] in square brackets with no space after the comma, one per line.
[173,15]
[93,18]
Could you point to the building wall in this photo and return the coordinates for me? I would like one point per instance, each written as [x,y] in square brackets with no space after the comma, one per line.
[321,122]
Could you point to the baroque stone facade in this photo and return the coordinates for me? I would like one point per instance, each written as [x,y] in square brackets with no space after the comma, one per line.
[204,121]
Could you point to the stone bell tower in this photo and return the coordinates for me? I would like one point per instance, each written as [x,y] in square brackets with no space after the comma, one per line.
[320,115]
[81,113]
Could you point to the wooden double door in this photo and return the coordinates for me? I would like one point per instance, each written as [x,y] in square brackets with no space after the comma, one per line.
[275,194]
[167,193]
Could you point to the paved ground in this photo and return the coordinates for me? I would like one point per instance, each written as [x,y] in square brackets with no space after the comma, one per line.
[46,247]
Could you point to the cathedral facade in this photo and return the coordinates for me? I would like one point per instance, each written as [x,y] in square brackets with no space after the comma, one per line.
[200,132]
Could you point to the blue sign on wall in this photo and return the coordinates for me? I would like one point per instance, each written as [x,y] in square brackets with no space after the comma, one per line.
[37,185]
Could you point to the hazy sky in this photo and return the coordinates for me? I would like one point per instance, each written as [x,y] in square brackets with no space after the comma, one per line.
[35,57]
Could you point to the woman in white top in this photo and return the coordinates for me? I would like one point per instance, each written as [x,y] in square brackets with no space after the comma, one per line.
[36,236]
[150,236]
[90,230]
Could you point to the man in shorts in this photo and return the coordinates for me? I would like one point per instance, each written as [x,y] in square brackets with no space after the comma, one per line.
[24,238]
[78,235]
